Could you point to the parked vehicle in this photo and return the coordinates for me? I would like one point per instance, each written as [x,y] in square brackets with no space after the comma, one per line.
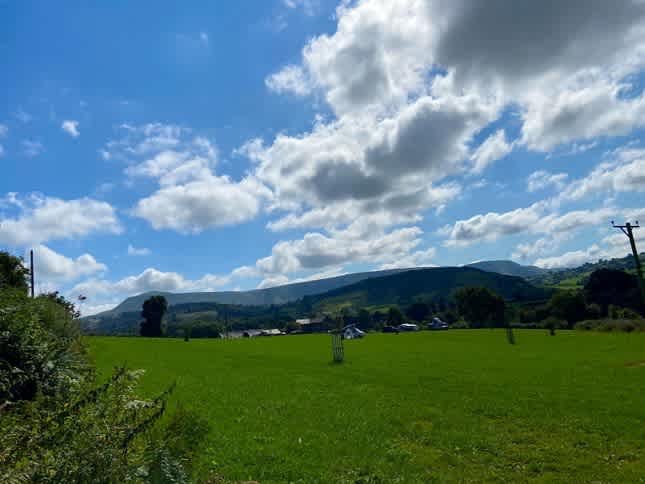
[408,327]
[352,332]
[437,324]
[390,329]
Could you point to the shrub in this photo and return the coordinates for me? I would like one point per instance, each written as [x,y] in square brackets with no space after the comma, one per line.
[56,425]
[626,325]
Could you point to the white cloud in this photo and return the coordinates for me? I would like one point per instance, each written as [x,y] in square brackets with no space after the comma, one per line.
[191,197]
[539,180]
[71,128]
[47,218]
[494,148]
[4,129]
[309,7]
[357,243]
[133,251]
[580,113]
[570,259]
[150,279]
[411,83]
[420,258]
[626,174]
[50,266]
[533,219]
[289,79]
[31,148]
[201,204]
[272,281]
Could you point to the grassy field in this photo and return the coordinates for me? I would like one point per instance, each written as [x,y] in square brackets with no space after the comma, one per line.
[426,407]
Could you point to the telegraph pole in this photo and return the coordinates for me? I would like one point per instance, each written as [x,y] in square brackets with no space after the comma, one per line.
[627,230]
[31,271]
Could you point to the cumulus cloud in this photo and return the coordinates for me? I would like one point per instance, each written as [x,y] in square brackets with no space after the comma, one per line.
[150,279]
[134,251]
[71,128]
[625,174]
[539,180]
[41,219]
[580,113]
[570,259]
[411,82]
[357,243]
[54,267]
[494,148]
[191,197]
[533,219]
[201,204]
[289,79]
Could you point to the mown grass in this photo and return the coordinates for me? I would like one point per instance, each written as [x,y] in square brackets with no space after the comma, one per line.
[428,407]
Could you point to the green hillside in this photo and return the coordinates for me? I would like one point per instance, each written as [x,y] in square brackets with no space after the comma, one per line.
[426,285]
[508,268]
[433,284]
[576,277]
[257,297]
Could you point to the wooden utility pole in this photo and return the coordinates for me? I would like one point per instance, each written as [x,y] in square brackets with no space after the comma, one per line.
[627,230]
[31,271]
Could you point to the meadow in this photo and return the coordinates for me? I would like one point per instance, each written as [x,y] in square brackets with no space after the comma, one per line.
[454,406]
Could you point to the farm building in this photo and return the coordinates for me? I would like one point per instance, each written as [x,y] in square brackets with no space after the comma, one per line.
[315,325]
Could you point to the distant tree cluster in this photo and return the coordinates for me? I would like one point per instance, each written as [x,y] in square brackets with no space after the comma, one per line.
[152,313]
[480,307]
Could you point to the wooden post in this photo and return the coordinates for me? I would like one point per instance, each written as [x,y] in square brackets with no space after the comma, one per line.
[31,271]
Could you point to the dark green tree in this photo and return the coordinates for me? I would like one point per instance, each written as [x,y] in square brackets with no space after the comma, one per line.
[607,287]
[365,319]
[569,306]
[418,312]
[394,316]
[480,307]
[13,273]
[152,312]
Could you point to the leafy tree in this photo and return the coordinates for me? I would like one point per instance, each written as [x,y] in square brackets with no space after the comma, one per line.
[152,312]
[552,323]
[480,306]
[569,306]
[418,311]
[13,273]
[394,316]
[609,286]
[365,319]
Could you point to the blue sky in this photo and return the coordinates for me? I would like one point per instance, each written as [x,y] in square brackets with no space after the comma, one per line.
[228,145]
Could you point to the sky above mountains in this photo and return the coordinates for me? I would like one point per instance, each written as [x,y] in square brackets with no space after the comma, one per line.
[232,145]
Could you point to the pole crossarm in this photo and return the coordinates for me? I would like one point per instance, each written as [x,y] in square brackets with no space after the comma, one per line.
[627,230]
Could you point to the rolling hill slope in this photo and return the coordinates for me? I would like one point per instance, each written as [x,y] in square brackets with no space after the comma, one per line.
[508,268]
[398,288]
[427,284]
[256,297]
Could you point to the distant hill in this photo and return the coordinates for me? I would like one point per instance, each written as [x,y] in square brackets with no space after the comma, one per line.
[426,285]
[576,277]
[372,289]
[508,267]
[256,297]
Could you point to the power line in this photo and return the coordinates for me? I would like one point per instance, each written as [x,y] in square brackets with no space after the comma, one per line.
[627,230]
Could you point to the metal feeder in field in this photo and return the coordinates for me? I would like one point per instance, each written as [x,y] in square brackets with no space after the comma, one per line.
[337,349]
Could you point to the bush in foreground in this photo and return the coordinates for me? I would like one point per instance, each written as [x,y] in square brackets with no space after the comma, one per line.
[57,425]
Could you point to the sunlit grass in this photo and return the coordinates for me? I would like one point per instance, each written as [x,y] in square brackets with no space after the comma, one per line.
[445,406]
